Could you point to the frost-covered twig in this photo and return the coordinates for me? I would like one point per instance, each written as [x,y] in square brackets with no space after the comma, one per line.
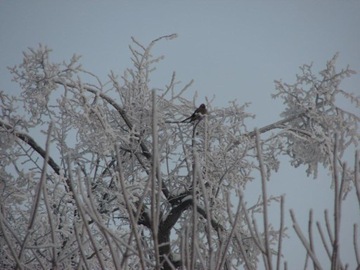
[304,241]
[264,198]
[234,227]
[35,205]
[337,208]
[323,240]
[208,210]
[357,175]
[155,185]
[194,228]
[281,231]
[239,240]
[254,236]
[129,208]
[17,258]
[33,144]
[82,214]
[311,240]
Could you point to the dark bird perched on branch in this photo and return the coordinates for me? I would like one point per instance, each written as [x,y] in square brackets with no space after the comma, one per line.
[197,115]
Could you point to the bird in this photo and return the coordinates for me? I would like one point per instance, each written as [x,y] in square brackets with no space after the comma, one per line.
[197,115]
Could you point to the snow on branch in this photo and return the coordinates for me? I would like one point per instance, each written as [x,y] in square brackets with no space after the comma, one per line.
[132,187]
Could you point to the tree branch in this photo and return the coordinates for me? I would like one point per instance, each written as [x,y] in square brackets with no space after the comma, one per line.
[121,111]
[275,125]
[32,143]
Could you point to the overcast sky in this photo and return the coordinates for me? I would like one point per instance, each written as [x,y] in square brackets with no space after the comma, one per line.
[232,49]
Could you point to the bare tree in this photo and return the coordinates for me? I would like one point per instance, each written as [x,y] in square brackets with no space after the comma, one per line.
[105,174]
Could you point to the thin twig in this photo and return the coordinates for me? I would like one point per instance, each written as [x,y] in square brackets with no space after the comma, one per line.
[80,245]
[304,241]
[155,186]
[194,212]
[129,208]
[264,198]
[82,214]
[275,125]
[257,241]
[282,217]
[33,144]
[209,217]
[17,259]
[239,239]
[234,227]
[36,201]
[52,227]
[357,177]
[311,240]
[93,212]
[337,198]
[323,240]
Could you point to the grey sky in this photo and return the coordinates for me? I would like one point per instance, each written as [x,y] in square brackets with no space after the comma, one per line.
[232,49]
